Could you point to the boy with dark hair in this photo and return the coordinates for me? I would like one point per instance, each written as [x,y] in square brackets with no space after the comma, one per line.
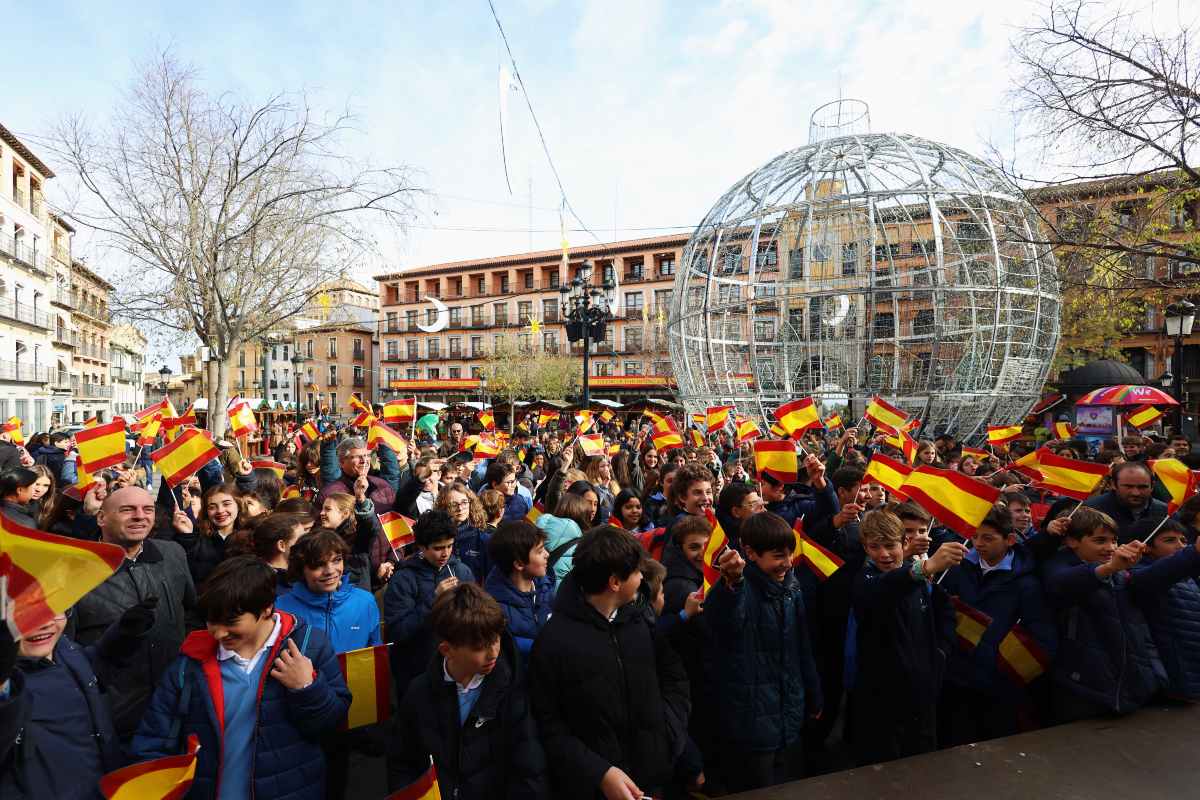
[469,709]
[610,697]
[903,633]
[1173,610]
[323,596]
[418,580]
[683,559]
[999,578]
[766,676]
[258,687]
[520,580]
[1107,661]
[1021,511]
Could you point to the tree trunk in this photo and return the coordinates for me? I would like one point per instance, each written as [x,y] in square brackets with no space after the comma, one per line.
[218,396]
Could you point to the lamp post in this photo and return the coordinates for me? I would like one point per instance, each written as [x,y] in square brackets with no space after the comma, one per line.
[165,374]
[585,312]
[297,360]
[483,390]
[1178,319]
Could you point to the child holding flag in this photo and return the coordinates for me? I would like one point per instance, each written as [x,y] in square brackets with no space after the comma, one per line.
[1172,611]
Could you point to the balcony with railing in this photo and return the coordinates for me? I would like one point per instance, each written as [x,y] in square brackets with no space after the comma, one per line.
[24,253]
[20,197]
[64,296]
[19,312]
[360,381]
[95,390]
[92,351]
[61,381]
[94,310]
[23,373]
[358,354]
[333,381]
[65,337]
[123,375]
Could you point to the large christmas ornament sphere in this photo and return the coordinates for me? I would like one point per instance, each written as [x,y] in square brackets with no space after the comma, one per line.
[868,264]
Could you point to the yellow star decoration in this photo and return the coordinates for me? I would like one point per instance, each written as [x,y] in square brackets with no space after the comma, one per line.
[534,326]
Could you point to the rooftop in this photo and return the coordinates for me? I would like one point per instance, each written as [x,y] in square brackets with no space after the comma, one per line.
[24,152]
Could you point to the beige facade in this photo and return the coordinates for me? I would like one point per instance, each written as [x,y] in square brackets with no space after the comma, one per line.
[91,383]
[126,363]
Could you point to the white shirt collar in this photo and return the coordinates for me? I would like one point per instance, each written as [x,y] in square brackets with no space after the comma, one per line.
[472,685]
[247,665]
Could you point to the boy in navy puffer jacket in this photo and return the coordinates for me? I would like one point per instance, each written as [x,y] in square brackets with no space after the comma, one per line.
[519,581]
[1174,612]
[1107,662]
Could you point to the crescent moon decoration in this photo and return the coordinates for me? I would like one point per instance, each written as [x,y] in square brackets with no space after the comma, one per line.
[443,317]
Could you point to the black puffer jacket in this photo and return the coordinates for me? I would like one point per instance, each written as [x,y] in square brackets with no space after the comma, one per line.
[160,571]
[494,754]
[682,578]
[606,694]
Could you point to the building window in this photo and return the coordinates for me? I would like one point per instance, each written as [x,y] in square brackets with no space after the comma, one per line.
[850,259]
[411,374]
[796,264]
[663,368]
[455,372]
[392,323]
[549,311]
[768,256]
[731,260]
[608,273]
[332,403]
[433,348]
[412,349]
[553,279]
[476,372]
[359,376]
[923,323]
[430,316]
[410,319]
[666,265]
[497,343]
[480,286]
[633,368]
[358,349]
[456,317]
[883,326]
[503,284]
[476,346]
[764,330]
[333,375]
[603,368]
[633,340]
[524,311]
[433,373]
[635,270]
[500,313]
[633,304]
[525,342]
[527,280]
[332,347]
[241,379]
[390,374]
[308,348]
[456,347]
[550,341]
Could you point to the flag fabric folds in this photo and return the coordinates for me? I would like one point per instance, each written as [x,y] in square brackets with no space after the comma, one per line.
[545,417]
[397,412]
[534,512]
[1068,476]
[1064,430]
[747,430]
[369,680]
[712,551]
[699,420]
[717,417]
[1003,434]
[697,437]
[1021,657]
[607,415]
[424,788]
[834,421]
[969,624]
[1143,416]
[888,473]
[777,459]
[798,416]
[168,778]
[777,430]
[905,444]
[975,452]
[274,466]
[47,574]
[822,562]
[309,432]
[397,529]
[885,416]
[13,429]
[101,446]
[1180,482]
[380,433]
[241,417]
[592,444]
[357,404]
[149,432]
[958,501]
[487,420]
[183,458]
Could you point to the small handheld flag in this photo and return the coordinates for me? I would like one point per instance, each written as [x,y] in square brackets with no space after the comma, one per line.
[712,551]
[958,501]
[970,624]
[184,457]
[592,444]
[369,679]
[747,430]
[274,466]
[424,788]
[1021,657]
[397,412]
[1002,434]
[1143,416]
[821,561]
[888,473]
[1064,430]
[487,420]
[717,417]
[379,433]
[1068,476]
[697,437]
[13,429]
[885,416]
[241,417]
[534,512]
[834,421]
[397,529]
[101,446]
[545,417]
[798,416]
[168,778]
[1179,481]
[777,459]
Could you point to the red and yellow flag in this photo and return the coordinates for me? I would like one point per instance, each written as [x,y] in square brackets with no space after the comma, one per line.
[1068,476]
[357,404]
[905,444]
[667,440]
[1027,465]
[369,679]
[534,512]
[1143,416]
[47,574]
[487,420]
[290,491]
[798,416]
[168,778]
[970,624]
[822,562]
[183,458]
[777,459]
[834,421]
[487,448]
[1180,482]
[241,417]
[1064,430]
[697,437]
[659,421]
[699,420]
[396,412]
[1021,657]
[101,446]
[159,409]
[546,416]
[888,473]
[274,466]
[592,444]
[613,449]
[13,429]
[911,425]
[712,551]
[397,529]
[885,416]
[149,432]
[424,788]
[309,432]
[717,417]
[1003,434]
[777,430]
[379,433]
[958,501]
[583,421]
[607,415]
[975,453]
[747,430]
[362,420]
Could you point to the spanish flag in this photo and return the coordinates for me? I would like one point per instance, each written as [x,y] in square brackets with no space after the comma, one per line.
[885,416]
[798,416]
[1064,430]
[777,430]
[1143,416]
[309,432]
[905,444]
[958,501]
[13,429]
[699,420]
[697,437]
[911,425]
[101,446]
[154,410]
[777,459]
[369,680]
[274,466]
[1021,657]
[822,562]
[747,430]
[547,416]
[487,420]
[1027,465]
[583,422]
[487,448]
[168,778]
[536,511]
[149,432]
[397,529]
[607,415]
[184,457]
[424,788]
[357,404]
[613,449]
[1178,480]
[717,417]
[712,551]
[47,574]
[592,444]
[1003,434]
[379,433]
[396,412]
[661,423]
[667,440]
[241,417]
[834,421]
[1067,476]
[362,420]
[888,473]
[970,624]
[975,453]
[290,491]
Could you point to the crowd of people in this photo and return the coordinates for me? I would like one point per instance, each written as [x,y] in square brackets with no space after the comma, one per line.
[560,625]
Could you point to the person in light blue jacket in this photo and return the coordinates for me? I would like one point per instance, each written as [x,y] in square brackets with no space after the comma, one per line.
[323,596]
[564,528]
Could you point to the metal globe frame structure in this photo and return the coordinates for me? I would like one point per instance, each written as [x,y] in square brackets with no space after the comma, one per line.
[868,264]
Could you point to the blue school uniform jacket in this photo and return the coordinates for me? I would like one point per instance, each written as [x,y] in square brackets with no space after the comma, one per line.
[526,612]
[287,762]
[349,617]
[406,605]
[1174,616]
[1105,651]
[471,547]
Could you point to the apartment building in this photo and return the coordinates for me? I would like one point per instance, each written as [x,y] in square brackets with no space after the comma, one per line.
[91,387]
[126,364]
[491,298]
[337,364]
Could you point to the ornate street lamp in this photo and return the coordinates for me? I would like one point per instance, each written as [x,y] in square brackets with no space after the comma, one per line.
[586,313]
[1178,320]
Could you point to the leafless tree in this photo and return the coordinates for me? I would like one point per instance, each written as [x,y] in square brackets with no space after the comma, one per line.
[228,214]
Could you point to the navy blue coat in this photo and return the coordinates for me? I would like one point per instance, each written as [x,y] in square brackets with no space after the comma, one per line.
[406,604]
[766,676]
[526,612]
[813,507]
[1109,504]
[1105,651]
[1007,596]
[288,763]
[1174,616]
[515,507]
[471,548]
[682,578]
[39,760]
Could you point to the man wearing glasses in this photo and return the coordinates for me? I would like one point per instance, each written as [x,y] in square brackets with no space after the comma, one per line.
[354,460]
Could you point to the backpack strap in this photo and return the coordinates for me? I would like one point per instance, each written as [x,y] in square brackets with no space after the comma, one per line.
[561,550]
[181,708]
[304,642]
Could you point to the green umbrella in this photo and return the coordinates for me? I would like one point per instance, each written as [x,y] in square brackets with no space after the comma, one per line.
[429,423]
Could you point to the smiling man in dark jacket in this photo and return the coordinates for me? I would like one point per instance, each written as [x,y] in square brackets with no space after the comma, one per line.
[610,698]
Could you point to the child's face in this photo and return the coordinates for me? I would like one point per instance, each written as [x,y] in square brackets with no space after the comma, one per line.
[1166,544]
[242,631]
[254,506]
[887,555]
[1096,547]
[698,498]
[658,602]
[628,588]
[539,560]
[774,563]
[438,553]
[40,643]
[991,544]
[693,549]
[471,660]
[1022,516]
[326,577]
[332,515]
